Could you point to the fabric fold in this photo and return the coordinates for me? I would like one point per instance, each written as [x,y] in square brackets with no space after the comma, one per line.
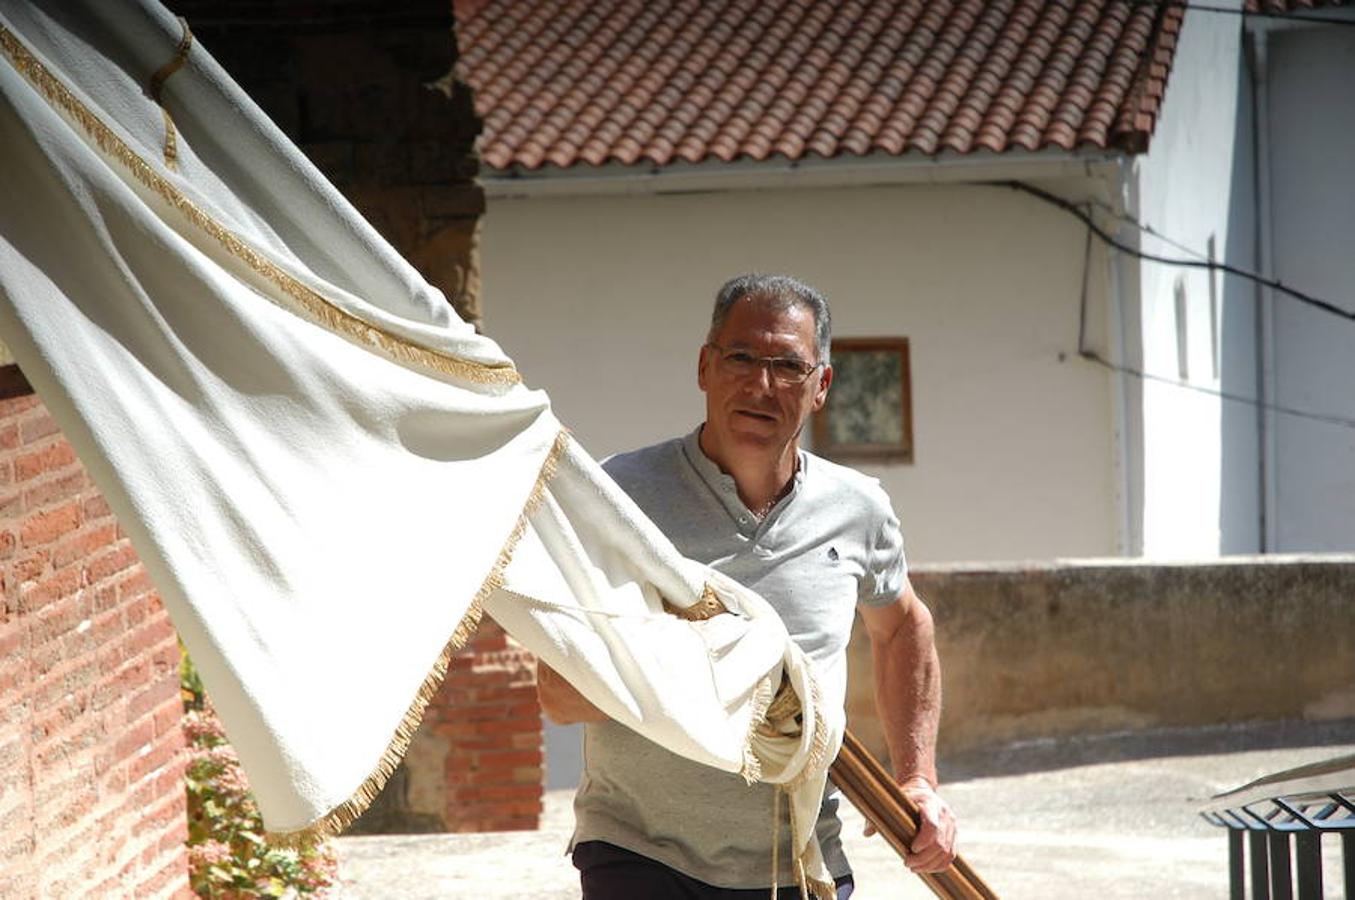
[328,476]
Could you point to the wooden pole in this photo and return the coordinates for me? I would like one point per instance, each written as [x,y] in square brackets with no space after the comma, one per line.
[871,790]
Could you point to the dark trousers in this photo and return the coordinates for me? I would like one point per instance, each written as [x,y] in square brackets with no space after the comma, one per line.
[608,872]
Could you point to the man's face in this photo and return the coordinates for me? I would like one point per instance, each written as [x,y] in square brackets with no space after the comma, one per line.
[752,410]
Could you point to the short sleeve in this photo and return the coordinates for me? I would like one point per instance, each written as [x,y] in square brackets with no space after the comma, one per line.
[886,567]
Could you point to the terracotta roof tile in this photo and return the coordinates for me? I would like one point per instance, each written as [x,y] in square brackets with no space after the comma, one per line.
[651,82]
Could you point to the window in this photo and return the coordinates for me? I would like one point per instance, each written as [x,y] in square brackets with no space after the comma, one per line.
[1182,330]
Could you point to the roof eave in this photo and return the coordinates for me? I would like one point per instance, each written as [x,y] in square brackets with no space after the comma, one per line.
[743,175]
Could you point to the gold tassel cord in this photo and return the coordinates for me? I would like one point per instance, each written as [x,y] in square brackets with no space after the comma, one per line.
[343,815]
[310,303]
[157,86]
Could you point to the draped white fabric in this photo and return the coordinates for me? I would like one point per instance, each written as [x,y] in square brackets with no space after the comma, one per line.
[327,474]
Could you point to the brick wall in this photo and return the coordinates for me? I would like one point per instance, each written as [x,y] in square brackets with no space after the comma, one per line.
[488,718]
[91,752]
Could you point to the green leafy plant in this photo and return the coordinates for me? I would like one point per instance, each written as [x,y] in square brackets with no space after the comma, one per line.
[228,856]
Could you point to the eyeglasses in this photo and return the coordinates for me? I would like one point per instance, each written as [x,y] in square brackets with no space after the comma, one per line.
[786,371]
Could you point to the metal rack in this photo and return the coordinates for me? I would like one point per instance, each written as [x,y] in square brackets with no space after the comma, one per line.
[1278,821]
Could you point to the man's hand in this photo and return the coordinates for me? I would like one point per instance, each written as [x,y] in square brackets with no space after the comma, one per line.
[934,847]
[561,701]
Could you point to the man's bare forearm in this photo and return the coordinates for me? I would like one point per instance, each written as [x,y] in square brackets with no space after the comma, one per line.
[561,702]
[908,692]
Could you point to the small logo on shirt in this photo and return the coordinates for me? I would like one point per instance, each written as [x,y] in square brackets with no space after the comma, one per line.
[832,554]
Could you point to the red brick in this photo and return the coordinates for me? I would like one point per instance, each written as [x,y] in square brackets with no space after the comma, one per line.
[11,505]
[96,507]
[9,437]
[69,809]
[159,817]
[45,493]
[37,427]
[147,699]
[6,472]
[135,585]
[13,679]
[43,658]
[104,628]
[60,786]
[115,779]
[508,759]
[55,621]
[129,743]
[30,567]
[121,685]
[34,595]
[501,726]
[167,656]
[105,598]
[88,733]
[31,465]
[12,407]
[174,837]
[167,879]
[510,791]
[109,563]
[83,545]
[11,640]
[47,526]
[8,543]
[168,717]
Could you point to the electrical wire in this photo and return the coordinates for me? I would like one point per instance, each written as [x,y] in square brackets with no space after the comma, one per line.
[1211,265]
[1092,356]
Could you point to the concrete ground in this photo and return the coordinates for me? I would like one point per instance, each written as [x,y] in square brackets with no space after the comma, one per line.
[1111,817]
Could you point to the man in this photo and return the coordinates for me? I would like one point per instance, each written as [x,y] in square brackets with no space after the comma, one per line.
[818,541]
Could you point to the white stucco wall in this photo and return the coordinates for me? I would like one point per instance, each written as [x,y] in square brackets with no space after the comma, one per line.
[604,302]
[1192,187]
[1311,134]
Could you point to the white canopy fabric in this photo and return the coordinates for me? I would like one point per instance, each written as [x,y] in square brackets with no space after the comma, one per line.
[327,474]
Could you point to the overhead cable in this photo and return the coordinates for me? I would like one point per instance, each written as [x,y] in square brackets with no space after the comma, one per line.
[1209,264]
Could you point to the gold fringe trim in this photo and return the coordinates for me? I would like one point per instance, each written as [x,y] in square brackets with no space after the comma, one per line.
[343,815]
[311,303]
[751,770]
[818,745]
[819,890]
[158,85]
[709,606]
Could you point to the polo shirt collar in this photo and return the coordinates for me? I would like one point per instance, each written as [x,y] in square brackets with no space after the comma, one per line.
[723,486]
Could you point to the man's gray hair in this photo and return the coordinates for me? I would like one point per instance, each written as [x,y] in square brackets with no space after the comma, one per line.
[782,290]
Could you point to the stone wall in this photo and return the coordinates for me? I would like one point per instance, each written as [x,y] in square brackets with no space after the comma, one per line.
[92,797]
[1056,649]
[364,88]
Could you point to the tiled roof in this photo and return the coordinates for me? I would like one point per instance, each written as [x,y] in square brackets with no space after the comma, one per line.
[655,82]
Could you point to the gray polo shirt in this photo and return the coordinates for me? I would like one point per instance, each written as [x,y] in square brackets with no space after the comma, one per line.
[830,543]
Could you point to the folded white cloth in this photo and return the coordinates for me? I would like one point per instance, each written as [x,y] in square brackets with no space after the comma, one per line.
[327,474]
